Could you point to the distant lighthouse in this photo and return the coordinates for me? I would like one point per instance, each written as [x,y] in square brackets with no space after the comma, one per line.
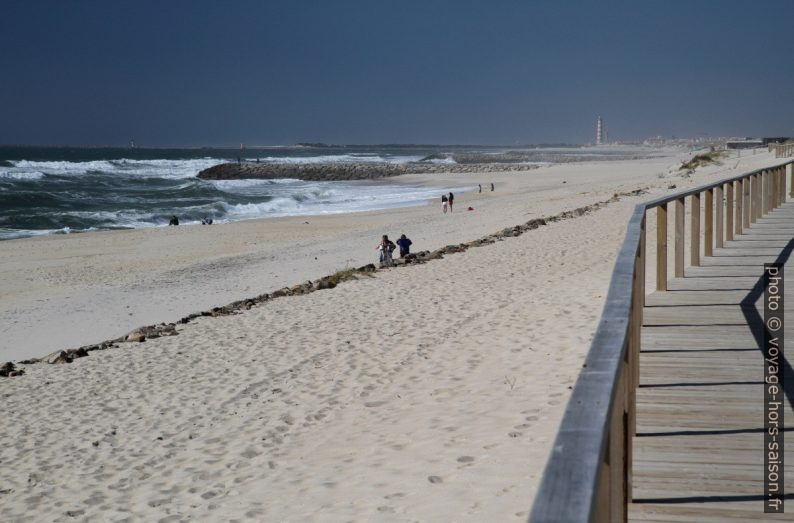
[599,131]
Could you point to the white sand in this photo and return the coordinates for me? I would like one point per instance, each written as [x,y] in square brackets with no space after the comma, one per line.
[425,393]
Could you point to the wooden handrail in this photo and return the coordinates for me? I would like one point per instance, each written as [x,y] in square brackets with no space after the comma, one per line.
[588,475]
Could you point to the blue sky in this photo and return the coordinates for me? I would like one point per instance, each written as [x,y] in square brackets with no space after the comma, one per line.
[489,72]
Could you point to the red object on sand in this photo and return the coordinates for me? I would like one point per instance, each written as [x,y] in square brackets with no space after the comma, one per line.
[471,208]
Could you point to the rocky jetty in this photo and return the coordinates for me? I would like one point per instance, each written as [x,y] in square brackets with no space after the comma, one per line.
[347,171]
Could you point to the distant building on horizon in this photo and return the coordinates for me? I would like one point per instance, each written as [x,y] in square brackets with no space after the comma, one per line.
[599,131]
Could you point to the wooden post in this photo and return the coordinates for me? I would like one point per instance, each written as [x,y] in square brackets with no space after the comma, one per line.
[754,198]
[751,198]
[638,309]
[679,238]
[708,217]
[661,247]
[718,226]
[746,206]
[768,192]
[763,189]
[633,355]
[618,505]
[776,186]
[769,176]
[778,192]
[791,180]
[774,198]
[729,211]
[739,197]
[781,186]
[694,240]
[760,195]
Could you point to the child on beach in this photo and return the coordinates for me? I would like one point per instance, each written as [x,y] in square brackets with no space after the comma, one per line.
[444,203]
[385,248]
[405,246]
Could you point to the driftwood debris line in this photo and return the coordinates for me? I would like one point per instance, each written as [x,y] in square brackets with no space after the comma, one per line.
[141,334]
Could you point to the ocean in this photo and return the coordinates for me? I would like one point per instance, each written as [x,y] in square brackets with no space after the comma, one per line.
[61,190]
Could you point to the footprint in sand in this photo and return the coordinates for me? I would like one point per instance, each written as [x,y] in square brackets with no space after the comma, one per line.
[374,403]
[434,479]
[465,459]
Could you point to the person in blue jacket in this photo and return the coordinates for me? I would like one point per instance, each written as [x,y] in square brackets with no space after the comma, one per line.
[405,246]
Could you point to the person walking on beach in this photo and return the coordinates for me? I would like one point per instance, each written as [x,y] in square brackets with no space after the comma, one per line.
[385,248]
[480,186]
[444,203]
[174,220]
[491,186]
[405,246]
[451,198]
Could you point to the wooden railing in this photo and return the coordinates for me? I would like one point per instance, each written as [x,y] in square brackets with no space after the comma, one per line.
[588,476]
[783,150]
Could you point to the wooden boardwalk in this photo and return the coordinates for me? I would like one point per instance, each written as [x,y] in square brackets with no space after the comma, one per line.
[698,449]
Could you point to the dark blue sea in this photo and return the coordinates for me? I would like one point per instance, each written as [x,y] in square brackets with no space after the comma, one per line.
[52,190]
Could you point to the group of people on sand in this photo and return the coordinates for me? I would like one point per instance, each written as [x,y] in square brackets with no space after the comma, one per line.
[175,221]
[448,199]
[386,247]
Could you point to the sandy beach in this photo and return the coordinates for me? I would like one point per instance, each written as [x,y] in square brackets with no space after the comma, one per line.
[423,393]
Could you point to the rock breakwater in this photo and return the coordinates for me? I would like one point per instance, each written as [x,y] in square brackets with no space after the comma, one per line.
[346,171]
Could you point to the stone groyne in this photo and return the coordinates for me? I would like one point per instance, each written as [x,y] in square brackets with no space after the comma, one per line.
[347,171]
